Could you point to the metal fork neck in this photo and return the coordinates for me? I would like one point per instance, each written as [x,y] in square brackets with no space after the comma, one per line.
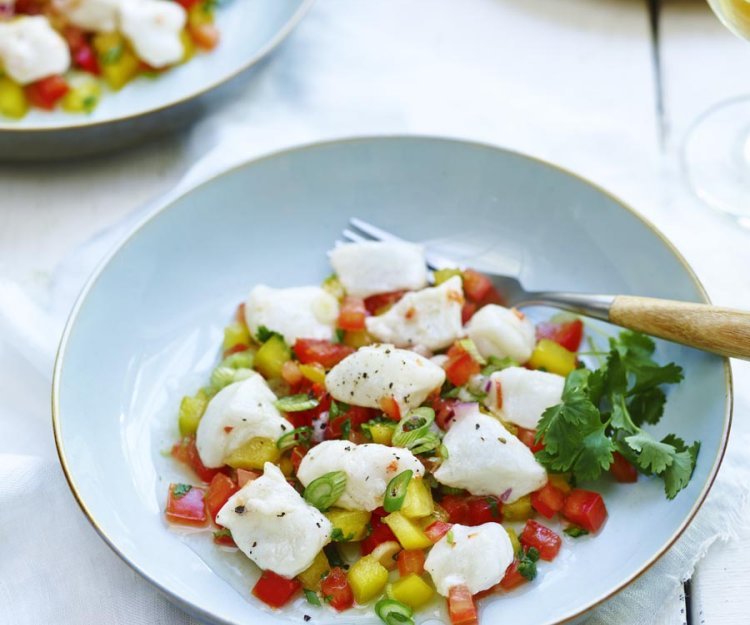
[596,306]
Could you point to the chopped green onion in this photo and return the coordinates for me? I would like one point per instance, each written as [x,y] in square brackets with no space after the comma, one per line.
[324,491]
[393,612]
[296,403]
[413,426]
[498,364]
[224,376]
[395,493]
[470,348]
[337,408]
[297,436]
[312,597]
[450,538]
[443,452]
[240,360]
[428,442]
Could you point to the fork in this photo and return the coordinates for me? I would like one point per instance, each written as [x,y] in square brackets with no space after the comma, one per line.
[722,331]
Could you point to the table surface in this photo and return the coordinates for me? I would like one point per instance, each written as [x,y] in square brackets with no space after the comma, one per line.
[602,84]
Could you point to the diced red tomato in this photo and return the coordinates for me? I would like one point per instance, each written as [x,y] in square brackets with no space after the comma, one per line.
[224,539]
[390,408]
[376,304]
[380,532]
[29,7]
[185,505]
[542,538]
[186,451]
[467,311]
[86,59]
[336,586]
[528,437]
[246,475]
[410,561]
[461,607]
[221,488]
[586,509]
[274,590]
[568,334]
[239,316]
[321,351]
[484,509]
[457,508]
[46,93]
[435,531]
[352,314]
[622,469]
[188,3]
[460,366]
[512,578]
[206,36]
[548,500]
[298,452]
[443,411]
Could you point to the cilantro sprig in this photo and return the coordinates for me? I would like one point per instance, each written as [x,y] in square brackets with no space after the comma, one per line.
[603,411]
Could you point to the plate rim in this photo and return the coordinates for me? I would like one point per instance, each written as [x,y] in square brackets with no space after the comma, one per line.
[314,145]
[299,13]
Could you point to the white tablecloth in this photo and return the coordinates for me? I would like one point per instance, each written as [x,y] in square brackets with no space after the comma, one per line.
[567,80]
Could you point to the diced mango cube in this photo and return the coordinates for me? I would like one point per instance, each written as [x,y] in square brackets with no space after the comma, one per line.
[83,96]
[13,102]
[412,590]
[236,333]
[418,501]
[513,539]
[519,510]
[357,338]
[382,433]
[368,578]
[254,454]
[560,481]
[313,372]
[352,523]
[552,357]
[271,357]
[408,533]
[191,412]
[311,577]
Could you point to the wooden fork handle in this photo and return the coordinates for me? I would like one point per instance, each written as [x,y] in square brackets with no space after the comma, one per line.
[722,331]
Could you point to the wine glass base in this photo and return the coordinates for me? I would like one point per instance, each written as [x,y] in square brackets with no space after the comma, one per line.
[716,158]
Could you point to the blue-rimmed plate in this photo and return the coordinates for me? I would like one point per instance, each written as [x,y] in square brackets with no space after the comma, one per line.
[146,331]
[147,107]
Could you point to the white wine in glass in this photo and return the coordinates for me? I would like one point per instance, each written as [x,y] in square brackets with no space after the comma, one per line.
[716,152]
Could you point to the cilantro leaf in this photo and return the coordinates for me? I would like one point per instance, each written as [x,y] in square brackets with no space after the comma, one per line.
[263,334]
[337,535]
[647,407]
[653,456]
[527,563]
[180,490]
[595,456]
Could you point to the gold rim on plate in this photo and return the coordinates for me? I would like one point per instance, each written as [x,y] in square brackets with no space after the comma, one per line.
[196,610]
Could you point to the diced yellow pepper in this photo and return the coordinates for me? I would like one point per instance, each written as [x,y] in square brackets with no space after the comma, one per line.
[357,338]
[13,102]
[442,275]
[118,62]
[382,433]
[513,539]
[408,532]
[311,577]
[386,553]
[560,480]
[236,333]
[552,357]
[254,454]
[368,578]
[313,372]
[333,285]
[191,412]
[188,46]
[201,13]
[412,590]
[85,93]
[418,501]
[519,510]
[271,357]
[352,523]
[286,465]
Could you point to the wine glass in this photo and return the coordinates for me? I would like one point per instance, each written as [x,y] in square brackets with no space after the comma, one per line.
[716,151]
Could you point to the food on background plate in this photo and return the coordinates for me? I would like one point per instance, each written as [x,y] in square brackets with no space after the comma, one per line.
[60,52]
[379,440]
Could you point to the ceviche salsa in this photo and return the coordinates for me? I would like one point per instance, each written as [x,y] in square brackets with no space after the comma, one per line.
[59,52]
[380,440]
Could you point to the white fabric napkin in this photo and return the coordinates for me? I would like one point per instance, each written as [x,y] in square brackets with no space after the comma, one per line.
[533,75]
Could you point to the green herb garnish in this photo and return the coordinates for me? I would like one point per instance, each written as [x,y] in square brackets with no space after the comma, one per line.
[324,491]
[297,403]
[395,492]
[263,334]
[527,563]
[312,597]
[180,490]
[575,532]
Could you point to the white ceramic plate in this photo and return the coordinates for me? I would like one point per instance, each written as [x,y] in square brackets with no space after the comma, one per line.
[148,325]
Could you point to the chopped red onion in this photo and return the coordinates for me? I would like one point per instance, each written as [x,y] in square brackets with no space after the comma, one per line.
[505,496]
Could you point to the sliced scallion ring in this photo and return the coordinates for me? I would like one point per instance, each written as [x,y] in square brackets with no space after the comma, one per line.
[429,442]
[324,491]
[296,403]
[393,612]
[297,436]
[395,493]
[413,427]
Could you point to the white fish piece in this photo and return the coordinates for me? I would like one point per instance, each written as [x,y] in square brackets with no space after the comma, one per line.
[476,557]
[153,28]
[430,318]
[101,16]
[502,332]
[236,414]
[375,372]
[368,469]
[486,459]
[521,396]
[274,526]
[305,312]
[30,49]
[372,267]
